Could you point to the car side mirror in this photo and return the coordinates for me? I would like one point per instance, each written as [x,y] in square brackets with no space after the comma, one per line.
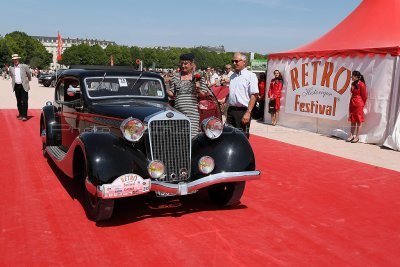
[72,91]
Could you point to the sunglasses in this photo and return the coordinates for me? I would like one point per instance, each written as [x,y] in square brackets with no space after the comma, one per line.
[236,61]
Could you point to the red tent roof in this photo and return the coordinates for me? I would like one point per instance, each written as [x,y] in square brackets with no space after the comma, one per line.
[372,28]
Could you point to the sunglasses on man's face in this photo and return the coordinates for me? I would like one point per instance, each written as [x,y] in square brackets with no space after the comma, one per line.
[236,61]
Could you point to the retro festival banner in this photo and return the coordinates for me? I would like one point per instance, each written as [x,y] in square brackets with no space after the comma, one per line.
[318,88]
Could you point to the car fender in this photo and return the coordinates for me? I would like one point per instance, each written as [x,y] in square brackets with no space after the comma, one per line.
[53,127]
[109,156]
[231,152]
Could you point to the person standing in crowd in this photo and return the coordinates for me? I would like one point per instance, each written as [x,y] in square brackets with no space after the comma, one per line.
[20,77]
[214,78]
[357,102]
[261,96]
[185,87]
[225,79]
[243,92]
[274,94]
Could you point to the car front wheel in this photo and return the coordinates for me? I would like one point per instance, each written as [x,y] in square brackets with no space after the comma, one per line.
[43,135]
[226,194]
[97,209]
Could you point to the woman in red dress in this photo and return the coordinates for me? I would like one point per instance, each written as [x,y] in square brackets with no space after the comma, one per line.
[261,95]
[274,93]
[356,105]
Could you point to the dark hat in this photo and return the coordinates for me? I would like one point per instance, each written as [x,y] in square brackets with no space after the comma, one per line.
[188,56]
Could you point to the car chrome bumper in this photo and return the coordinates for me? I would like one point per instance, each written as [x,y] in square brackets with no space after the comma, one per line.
[184,188]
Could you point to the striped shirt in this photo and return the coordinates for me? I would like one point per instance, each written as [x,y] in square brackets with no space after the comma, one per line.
[186,99]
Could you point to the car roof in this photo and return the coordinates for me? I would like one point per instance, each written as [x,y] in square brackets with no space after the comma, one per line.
[84,71]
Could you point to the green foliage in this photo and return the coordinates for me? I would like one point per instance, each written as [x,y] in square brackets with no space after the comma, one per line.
[259,56]
[122,55]
[4,53]
[85,54]
[151,57]
[31,51]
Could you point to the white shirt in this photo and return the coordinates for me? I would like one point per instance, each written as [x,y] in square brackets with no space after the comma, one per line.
[241,87]
[17,71]
[214,78]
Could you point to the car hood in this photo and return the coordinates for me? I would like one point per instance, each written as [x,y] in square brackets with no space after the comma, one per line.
[136,109]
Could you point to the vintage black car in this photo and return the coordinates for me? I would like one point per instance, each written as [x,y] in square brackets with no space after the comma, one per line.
[50,79]
[115,130]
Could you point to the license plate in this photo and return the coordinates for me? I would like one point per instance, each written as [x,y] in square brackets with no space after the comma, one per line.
[126,185]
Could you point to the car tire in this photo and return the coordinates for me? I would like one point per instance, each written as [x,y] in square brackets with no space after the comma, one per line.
[43,135]
[226,194]
[97,209]
[46,84]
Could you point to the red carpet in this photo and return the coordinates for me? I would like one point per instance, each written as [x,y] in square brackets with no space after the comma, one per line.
[309,209]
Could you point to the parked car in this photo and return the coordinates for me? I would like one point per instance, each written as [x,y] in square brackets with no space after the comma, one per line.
[50,79]
[114,130]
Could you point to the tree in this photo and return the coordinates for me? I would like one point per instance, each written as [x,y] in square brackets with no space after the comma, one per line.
[84,54]
[121,54]
[4,53]
[31,51]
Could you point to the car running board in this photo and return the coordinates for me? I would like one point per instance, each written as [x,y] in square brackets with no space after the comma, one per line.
[56,152]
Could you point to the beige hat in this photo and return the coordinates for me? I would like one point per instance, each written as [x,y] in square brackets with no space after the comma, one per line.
[15,56]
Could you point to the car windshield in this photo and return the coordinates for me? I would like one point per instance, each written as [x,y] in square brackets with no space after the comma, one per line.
[116,87]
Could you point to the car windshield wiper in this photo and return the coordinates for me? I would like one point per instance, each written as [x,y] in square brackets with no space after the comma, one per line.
[102,80]
[133,85]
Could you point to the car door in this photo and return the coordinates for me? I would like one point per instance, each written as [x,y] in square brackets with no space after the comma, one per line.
[70,112]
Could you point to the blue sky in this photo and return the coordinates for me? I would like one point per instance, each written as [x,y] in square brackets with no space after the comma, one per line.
[261,26]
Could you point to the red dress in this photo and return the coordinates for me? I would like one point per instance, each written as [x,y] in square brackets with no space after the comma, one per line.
[357,102]
[261,89]
[275,91]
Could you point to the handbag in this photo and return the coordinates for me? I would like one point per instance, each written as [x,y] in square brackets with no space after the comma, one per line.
[272,106]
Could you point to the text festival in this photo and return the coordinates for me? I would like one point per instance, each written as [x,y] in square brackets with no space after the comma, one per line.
[328,79]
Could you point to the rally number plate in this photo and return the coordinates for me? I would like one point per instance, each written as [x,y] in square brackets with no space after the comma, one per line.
[126,185]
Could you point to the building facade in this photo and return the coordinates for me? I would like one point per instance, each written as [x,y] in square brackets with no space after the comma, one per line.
[51,45]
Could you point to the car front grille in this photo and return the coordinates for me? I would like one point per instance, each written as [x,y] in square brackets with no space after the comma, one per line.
[170,143]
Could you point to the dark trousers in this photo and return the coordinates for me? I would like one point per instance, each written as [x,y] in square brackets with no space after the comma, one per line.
[22,100]
[234,117]
[262,107]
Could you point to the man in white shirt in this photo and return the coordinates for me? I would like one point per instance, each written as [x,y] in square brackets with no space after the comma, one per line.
[214,78]
[243,92]
[20,77]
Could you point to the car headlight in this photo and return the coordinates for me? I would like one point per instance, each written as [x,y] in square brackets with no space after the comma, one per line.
[206,164]
[132,129]
[212,127]
[48,78]
[156,169]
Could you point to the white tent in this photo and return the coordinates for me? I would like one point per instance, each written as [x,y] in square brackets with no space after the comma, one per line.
[317,76]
